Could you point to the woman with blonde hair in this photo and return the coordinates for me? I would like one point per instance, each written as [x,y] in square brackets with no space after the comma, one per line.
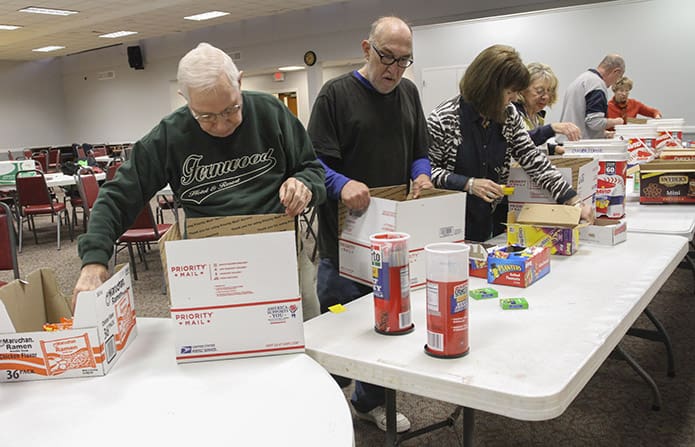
[474,136]
[531,104]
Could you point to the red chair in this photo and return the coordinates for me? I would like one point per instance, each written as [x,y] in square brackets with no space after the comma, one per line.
[81,155]
[10,155]
[143,231]
[54,159]
[88,190]
[112,168]
[8,243]
[99,151]
[42,159]
[28,153]
[34,198]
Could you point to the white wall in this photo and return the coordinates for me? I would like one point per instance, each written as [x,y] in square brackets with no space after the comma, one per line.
[655,38]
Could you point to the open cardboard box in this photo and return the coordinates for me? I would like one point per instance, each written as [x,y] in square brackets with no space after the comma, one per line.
[517,266]
[604,232]
[667,181]
[103,327]
[553,226]
[436,216]
[234,287]
[477,258]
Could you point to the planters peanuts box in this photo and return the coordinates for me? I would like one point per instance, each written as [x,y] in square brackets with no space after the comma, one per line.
[517,266]
[553,226]
[234,287]
[103,327]
[664,181]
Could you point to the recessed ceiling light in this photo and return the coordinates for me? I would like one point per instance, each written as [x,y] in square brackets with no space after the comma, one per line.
[9,27]
[48,48]
[53,12]
[207,15]
[118,34]
[291,68]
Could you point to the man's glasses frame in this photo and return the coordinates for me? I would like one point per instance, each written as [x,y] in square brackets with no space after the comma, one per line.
[210,118]
[403,62]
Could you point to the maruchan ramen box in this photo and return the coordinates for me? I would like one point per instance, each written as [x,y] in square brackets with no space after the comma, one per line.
[8,170]
[604,232]
[663,181]
[517,266]
[436,216]
[234,287]
[553,226]
[103,326]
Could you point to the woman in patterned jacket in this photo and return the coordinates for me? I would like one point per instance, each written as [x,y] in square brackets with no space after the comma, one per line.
[477,133]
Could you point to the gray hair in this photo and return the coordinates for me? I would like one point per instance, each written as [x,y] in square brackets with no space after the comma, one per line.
[613,61]
[201,68]
[538,70]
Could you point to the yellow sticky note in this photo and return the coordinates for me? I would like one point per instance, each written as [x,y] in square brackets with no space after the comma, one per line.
[338,308]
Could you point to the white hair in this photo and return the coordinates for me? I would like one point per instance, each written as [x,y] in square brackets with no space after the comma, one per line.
[201,68]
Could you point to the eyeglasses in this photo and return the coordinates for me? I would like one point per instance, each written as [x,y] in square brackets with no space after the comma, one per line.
[210,118]
[386,59]
[540,91]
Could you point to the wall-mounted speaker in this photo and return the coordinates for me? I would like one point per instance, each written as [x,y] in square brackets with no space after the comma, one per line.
[135,58]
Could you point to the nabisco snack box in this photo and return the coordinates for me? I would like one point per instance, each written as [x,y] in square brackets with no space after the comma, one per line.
[553,226]
[103,327]
[664,181]
[233,294]
[580,172]
[436,216]
[8,170]
[604,232]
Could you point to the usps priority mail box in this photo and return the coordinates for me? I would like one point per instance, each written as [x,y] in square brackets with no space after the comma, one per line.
[436,216]
[235,296]
[104,325]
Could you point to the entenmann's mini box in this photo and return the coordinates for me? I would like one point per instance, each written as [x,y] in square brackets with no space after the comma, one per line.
[553,226]
[103,327]
[436,216]
[518,266]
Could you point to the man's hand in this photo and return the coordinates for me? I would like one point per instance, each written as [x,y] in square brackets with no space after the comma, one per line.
[612,122]
[355,195]
[91,277]
[570,130]
[294,196]
[421,182]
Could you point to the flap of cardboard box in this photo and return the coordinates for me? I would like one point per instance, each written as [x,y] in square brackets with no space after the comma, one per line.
[201,227]
[32,302]
[605,222]
[658,166]
[547,214]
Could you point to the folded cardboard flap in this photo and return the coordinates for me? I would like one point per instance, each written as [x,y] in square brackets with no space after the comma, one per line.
[605,222]
[544,214]
[34,301]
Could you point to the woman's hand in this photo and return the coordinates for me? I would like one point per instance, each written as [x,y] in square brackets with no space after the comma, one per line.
[486,189]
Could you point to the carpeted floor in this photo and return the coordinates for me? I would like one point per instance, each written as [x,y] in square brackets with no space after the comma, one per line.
[614,409]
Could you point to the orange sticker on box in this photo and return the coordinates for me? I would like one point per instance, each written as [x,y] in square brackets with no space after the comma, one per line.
[67,353]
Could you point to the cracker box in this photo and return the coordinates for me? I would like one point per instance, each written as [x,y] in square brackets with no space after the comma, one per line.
[103,327]
[517,266]
[8,170]
[234,288]
[477,258]
[678,154]
[580,172]
[664,181]
[553,226]
[436,216]
[604,232]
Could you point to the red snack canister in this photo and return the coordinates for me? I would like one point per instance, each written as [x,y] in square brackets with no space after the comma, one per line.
[447,300]
[391,282]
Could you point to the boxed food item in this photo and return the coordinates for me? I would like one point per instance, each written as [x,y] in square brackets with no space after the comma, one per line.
[518,266]
[553,226]
[103,326]
[604,232]
[665,181]
[8,170]
[234,287]
[675,154]
[477,258]
[580,172]
[436,216]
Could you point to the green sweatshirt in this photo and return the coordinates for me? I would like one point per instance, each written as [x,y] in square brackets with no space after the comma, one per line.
[210,176]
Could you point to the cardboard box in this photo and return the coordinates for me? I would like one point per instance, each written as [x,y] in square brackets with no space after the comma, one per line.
[234,288]
[518,266]
[604,232]
[103,327]
[580,172]
[664,181]
[477,258]
[437,216]
[677,155]
[553,226]
[8,170]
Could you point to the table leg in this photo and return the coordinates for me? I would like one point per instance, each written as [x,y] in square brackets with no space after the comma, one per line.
[468,426]
[659,334]
[390,417]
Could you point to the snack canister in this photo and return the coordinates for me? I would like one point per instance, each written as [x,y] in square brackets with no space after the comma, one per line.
[669,132]
[447,299]
[641,142]
[391,277]
[610,191]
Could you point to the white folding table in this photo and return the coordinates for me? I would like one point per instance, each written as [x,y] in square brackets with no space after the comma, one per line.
[147,399]
[524,364]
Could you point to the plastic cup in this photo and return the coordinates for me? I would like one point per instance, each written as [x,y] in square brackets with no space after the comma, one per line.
[447,299]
